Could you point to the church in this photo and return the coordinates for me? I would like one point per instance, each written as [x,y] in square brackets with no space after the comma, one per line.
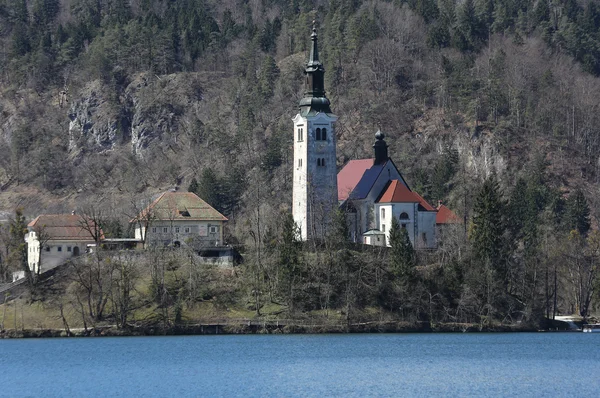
[371,192]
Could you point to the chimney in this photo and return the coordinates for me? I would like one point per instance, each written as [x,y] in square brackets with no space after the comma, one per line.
[440,203]
[381,149]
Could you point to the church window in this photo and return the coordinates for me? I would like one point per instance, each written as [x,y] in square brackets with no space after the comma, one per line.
[383,214]
[300,135]
[323,162]
[404,216]
[324,134]
[382,227]
[318,161]
[318,134]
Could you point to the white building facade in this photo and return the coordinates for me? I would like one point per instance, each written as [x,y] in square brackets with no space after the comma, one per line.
[63,236]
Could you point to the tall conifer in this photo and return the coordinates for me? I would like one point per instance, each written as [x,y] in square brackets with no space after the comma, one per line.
[488,223]
[578,213]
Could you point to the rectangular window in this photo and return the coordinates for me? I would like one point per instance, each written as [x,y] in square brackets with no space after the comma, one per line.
[383,227]
[59,248]
[187,230]
[424,237]
[165,230]
[383,214]
[176,230]
[213,230]
[153,230]
[47,248]
[68,248]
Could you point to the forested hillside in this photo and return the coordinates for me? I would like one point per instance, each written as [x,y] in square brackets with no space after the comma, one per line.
[491,106]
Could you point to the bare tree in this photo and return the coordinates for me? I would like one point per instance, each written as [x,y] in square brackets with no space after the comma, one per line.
[92,274]
[125,277]
[142,216]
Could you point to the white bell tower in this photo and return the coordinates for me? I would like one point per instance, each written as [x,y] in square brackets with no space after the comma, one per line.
[315,172]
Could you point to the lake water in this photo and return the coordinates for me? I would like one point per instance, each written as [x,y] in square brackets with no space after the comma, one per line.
[378,365]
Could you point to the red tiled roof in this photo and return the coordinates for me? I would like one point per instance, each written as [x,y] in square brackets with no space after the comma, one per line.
[63,227]
[446,216]
[397,192]
[350,175]
[423,202]
[181,206]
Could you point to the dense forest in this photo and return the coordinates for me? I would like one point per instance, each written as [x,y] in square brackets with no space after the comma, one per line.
[490,106]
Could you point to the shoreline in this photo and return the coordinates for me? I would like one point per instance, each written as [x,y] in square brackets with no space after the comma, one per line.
[272,328]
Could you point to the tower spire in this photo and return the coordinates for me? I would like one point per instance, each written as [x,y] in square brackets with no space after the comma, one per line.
[314,86]
[314,48]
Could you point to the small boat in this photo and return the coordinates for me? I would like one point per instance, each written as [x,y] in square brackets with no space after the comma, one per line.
[593,328]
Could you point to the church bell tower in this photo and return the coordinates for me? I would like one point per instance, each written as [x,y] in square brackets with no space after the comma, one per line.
[315,172]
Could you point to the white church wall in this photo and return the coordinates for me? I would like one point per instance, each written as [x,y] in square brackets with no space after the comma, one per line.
[55,252]
[315,174]
[426,237]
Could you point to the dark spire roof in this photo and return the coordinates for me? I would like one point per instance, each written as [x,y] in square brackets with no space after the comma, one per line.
[314,100]
[381,148]
[314,48]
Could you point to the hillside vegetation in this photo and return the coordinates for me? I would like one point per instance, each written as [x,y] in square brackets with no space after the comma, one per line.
[490,106]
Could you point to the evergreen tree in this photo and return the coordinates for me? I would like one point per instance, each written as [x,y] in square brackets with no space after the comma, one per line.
[267,78]
[531,224]
[18,247]
[20,40]
[488,223]
[578,213]
[209,188]
[340,232]
[442,174]
[428,9]
[468,35]
[194,186]
[402,253]
[517,209]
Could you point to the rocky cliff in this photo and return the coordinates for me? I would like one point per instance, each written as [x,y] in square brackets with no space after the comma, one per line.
[150,109]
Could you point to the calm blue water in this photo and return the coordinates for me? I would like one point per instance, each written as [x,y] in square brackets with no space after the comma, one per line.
[383,365]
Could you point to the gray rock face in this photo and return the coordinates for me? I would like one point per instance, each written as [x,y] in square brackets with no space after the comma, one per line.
[93,121]
[149,111]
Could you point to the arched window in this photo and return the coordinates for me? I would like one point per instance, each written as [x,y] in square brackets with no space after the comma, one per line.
[323,162]
[318,134]
[324,134]
[318,161]
[404,216]
[383,214]
[299,134]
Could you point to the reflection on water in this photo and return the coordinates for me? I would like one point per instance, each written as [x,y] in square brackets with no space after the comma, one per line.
[519,364]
